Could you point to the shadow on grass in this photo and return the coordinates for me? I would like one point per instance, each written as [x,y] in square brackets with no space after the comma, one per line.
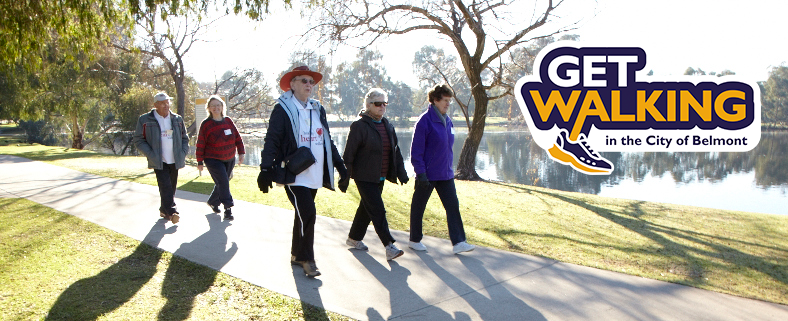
[695,258]
[59,153]
[184,280]
[309,291]
[197,187]
[92,297]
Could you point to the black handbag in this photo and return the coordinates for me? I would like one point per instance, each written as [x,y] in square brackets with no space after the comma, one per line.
[300,160]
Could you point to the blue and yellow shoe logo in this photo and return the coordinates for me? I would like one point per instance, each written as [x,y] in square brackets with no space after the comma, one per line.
[585,100]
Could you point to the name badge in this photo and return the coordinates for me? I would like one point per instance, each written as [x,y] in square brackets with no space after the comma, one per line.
[452,131]
[228,132]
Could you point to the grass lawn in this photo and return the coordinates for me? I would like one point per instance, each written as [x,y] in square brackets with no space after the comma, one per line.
[59,267]
[740,253]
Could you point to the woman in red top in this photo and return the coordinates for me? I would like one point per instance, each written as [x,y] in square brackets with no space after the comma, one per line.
[216,146]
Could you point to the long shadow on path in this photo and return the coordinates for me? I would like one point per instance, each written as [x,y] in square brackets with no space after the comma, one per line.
[89,298]
[403,300]
[500,305]
[184,279]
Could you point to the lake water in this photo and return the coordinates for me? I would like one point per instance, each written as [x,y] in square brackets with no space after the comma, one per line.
[755,181]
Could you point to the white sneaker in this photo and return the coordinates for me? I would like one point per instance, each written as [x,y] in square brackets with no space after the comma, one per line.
[358,245]
[463,247]
[417,246]
[392,252]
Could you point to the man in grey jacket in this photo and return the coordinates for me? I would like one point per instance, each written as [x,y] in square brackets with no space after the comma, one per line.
[161,137]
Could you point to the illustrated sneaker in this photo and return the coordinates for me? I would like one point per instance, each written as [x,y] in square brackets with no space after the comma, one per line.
[417,246]
[579,155]
[214,208]
[463,247]
[392,252]
[358,245]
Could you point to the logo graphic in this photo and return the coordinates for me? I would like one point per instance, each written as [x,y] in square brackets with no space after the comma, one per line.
[585,100]
[319,132]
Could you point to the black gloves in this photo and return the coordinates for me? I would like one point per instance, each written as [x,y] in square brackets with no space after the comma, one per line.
[403,179]
[344,178]
[343,184]
[265,179]
[422,181]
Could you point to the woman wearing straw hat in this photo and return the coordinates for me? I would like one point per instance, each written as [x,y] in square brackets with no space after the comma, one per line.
[299,123]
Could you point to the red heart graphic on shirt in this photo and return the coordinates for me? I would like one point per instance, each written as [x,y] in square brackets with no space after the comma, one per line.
[319,131]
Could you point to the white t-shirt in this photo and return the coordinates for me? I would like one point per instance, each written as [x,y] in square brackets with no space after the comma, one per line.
[165,124]
[311,135]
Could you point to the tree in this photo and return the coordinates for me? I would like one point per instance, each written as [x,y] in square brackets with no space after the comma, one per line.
[774,96]
[434,67]
[27,27]
[170,44]
[400,97]
[370,20]
[70,90]
[246,92]
[355,78]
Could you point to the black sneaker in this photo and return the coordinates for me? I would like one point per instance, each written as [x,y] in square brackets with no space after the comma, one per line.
[214,208]
[228,215]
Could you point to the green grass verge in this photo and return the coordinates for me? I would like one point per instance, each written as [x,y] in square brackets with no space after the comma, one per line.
[55,266]
[740,253]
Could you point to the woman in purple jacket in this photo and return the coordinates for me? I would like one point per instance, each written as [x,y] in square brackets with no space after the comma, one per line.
[432,156]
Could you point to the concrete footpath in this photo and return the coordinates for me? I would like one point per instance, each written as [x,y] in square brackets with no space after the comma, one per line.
[485,284]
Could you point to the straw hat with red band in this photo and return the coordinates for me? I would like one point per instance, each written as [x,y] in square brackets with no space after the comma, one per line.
[284,83]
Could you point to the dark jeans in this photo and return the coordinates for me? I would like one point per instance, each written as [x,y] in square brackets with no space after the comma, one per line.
[448,195]
[220,173]
[303,200]
[370,208]
[167,178]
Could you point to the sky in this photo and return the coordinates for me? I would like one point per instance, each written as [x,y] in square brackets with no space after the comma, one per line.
[747,38]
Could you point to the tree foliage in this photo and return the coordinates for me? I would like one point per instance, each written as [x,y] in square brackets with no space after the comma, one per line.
[774,96]
[27,27]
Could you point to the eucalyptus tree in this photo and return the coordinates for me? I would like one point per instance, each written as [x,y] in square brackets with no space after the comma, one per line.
[774,96]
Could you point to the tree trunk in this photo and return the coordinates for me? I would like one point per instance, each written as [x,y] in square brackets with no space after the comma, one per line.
[76,135]
[466,166]
[181,96]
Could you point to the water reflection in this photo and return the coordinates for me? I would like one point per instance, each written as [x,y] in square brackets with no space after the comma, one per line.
[702,179]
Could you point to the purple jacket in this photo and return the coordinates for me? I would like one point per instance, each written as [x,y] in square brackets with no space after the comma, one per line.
[431,149]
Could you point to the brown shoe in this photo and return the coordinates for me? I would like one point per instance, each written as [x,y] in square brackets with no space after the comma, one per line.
[310,268]
[293,260]
[174,218]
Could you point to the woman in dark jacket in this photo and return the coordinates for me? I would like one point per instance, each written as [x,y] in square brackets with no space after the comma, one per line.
[297,116]
[372,155]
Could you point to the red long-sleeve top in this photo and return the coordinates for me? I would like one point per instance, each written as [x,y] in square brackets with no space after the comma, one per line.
[218,140]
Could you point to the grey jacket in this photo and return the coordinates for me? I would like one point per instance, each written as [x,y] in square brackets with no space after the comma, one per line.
[147,139]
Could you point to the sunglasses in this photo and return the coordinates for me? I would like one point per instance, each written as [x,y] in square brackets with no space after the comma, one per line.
[306,81]
[380,103]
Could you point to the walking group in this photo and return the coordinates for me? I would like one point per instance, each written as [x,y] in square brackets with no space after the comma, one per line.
[299,155]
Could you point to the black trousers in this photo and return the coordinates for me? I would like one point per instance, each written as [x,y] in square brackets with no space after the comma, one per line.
[303,200]
[220,173]
[167,179]
[371,208]
[448,195]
